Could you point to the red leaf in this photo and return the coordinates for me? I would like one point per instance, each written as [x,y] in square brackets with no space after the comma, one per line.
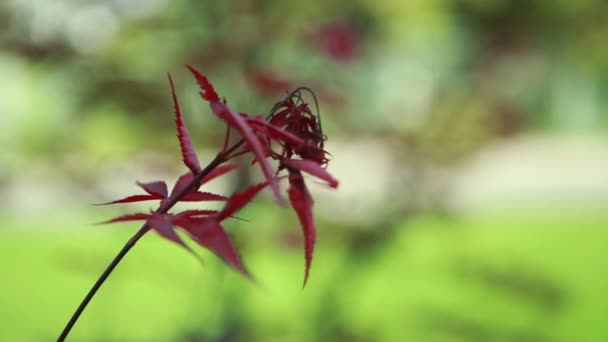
[218,171]
[184,179]
[195,196]
[210,234]
[190,213]
[130,217]
[181,182]
[267,153]
[188,153]
[267,82]
[158,188]
[302,203]
[279,118]
[279,134]
[313,168]
[264,142]
[339,40]
[135,198]
[202,196]
[207,91]
[274,132]
[162,224]
[239,200]
[237,121]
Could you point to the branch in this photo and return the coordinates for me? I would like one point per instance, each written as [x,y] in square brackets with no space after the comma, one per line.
[166,206]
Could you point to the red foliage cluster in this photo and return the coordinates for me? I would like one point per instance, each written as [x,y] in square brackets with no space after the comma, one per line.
[338,40]
[291,136]
[267,82]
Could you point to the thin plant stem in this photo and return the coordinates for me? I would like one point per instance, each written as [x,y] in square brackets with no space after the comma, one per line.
[171,201]
[125,249]
[221,157]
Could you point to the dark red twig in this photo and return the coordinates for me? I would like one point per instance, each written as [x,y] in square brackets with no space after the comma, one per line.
[171,201]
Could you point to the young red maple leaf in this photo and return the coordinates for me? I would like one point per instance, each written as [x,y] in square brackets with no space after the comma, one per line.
[156,191]
[186,178]
[207,91]
[237,201]
[161,193]
[302,203]
[158,188]
[236,121]
[339,40]
[209,232]
[296,132]
[267,82]
[188,154]
[163,225]
[204,226]
[296,120]
[313,168]
[290,136]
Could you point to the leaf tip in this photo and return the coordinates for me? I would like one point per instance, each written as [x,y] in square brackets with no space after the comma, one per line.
[207,91]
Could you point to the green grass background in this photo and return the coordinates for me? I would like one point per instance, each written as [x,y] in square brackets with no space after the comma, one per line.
[481,278]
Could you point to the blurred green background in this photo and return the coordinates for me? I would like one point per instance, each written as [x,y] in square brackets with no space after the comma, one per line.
[469,138]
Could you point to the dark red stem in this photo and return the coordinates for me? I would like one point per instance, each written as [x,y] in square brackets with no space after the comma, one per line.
[223,156]
[166,206]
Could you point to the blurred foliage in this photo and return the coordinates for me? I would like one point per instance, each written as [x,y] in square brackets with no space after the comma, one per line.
[512,62]
[432,82]
[435,80]
[435,280]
